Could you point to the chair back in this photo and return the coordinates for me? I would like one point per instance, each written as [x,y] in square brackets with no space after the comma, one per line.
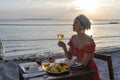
[109,62]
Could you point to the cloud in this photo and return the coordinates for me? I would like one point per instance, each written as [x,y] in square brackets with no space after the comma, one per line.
[51,8]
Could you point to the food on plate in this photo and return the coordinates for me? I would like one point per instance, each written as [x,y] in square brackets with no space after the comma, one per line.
[58,67]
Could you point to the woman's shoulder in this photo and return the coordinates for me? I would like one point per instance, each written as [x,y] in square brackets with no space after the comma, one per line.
[89,39]
[73,36]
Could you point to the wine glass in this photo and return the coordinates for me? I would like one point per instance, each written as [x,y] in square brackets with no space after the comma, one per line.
[60,36]
[51,57]
[45,65]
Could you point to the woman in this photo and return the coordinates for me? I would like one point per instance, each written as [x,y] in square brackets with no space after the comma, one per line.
[81,45]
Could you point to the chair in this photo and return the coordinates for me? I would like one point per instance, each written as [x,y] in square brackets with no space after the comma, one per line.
[109,62]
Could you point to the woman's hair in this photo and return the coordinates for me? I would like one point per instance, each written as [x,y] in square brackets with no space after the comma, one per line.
[84,21]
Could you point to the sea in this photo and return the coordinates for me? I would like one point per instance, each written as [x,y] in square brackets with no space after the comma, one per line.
[38,36]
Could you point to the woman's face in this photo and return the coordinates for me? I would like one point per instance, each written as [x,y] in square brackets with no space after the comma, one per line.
[77,26]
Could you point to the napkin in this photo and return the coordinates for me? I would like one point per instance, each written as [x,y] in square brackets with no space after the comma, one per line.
[76,66]
[34,74]
[70,61]
[30,67]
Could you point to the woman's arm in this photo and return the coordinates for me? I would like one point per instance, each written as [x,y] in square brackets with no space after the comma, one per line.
[67,52]
[86,58]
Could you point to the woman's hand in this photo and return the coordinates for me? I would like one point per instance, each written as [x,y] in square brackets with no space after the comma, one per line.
[61,44]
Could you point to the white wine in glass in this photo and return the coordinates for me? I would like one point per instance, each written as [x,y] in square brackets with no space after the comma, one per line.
[44,65]
[60,36]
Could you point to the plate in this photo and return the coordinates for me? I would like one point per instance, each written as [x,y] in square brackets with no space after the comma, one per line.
[30,67]
[58,69]
[58,73]
[76,66]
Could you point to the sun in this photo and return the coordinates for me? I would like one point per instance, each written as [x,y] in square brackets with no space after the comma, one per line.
[87,5]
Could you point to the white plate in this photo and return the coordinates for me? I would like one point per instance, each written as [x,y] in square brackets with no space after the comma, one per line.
[58,73]
[30,67]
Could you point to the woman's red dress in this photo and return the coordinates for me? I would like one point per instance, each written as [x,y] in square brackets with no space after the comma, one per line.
[89,48]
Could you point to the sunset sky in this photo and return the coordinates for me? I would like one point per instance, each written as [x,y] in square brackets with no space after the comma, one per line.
[59,9]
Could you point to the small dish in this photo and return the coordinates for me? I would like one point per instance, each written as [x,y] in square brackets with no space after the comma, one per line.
[31,67]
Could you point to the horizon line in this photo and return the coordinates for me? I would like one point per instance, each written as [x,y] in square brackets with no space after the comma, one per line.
[53,19]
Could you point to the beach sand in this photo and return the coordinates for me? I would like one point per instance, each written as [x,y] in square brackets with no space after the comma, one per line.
[9,68]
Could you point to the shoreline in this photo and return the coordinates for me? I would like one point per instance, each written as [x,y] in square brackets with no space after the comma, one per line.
[57,55]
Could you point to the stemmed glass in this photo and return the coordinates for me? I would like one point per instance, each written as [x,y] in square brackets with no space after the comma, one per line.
[60,36]
[45,64]
[51,57]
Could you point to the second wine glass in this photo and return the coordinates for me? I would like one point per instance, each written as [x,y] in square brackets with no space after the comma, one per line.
[45,64]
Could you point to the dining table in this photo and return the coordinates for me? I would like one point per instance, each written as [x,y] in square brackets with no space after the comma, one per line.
[73,74]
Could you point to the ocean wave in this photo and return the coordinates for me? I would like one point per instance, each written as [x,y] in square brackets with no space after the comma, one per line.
[32,39]
[54,38]
[13,46]
[106,37]
[35,24]
[15,50]
[108,50]
[102,50]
